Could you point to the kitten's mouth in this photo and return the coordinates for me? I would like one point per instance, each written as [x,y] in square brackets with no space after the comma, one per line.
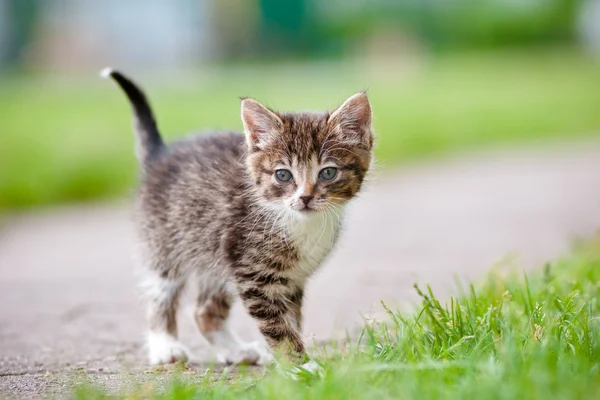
[308,210]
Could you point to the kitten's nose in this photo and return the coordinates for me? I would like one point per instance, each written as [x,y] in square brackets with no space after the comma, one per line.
[306,200]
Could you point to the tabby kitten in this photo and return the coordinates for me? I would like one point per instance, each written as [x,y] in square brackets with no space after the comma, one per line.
[243,216]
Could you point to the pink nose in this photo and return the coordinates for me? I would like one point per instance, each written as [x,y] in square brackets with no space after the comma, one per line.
[306,199]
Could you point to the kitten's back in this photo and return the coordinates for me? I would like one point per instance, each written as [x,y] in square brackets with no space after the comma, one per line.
[189,188]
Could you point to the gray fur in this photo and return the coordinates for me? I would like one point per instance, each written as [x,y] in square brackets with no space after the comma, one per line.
[209,207]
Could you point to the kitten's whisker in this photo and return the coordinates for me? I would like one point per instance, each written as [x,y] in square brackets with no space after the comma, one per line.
[336,198]
[339,201]
[327,140]
[344,149]
[258,210]
[336,142]
[284,231]
[273,225]
[336,158]
[260,217]
[331,220]
[337,212]
[243,155]
[323,217]
[284,144]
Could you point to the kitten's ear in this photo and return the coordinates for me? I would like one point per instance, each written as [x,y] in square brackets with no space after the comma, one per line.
[353,118]
[260,123]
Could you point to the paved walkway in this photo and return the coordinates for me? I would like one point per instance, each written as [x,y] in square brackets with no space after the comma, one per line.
[67,298]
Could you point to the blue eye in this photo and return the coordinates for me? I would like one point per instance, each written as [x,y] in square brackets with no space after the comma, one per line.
[328,174]
[283,175]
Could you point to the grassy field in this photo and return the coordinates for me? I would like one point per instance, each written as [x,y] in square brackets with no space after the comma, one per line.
[69,139]
[510,338]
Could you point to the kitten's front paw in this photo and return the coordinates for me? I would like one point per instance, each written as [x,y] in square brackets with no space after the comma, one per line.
[313,367]
[254,353]
[308,370]
[165,349]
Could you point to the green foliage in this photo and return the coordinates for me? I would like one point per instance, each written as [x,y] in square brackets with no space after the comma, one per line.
[512,337]
[493,23]
[451,24]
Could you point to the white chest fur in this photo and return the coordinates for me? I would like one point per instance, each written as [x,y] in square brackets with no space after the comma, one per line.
[314,237]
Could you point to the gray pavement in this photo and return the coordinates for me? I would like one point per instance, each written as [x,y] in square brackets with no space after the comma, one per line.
[68,303]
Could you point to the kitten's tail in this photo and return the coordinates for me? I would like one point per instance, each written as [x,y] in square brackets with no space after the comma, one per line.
[149,142]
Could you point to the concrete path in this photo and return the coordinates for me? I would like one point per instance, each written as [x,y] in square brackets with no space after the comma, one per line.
[67,288]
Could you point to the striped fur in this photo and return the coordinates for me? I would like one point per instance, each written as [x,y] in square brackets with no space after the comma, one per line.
[211,214]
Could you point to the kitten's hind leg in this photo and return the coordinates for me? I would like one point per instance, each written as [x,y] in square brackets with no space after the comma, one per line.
[163,299]
[212,315]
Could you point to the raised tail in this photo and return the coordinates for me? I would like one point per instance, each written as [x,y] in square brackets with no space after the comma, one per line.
[149,143]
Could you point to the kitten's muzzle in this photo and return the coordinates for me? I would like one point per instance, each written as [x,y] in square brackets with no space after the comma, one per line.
[306,200]
[305,204]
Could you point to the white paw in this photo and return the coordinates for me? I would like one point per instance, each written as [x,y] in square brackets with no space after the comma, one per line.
[308,369]
[165,349]
[254,353]
[312,366]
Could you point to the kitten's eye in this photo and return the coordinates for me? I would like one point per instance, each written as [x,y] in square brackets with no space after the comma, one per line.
[283,175]
[328,174]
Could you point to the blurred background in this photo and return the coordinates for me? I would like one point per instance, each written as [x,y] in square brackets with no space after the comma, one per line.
[443,75]
[487,116]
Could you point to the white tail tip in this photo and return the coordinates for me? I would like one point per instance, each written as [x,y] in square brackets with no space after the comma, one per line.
[105,73]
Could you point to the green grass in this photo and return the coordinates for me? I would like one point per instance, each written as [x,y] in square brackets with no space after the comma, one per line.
[509,338]
[70,139]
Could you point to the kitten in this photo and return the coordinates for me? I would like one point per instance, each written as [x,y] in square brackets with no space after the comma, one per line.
[243,216]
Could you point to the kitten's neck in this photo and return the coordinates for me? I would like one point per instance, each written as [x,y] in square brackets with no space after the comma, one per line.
[313,236]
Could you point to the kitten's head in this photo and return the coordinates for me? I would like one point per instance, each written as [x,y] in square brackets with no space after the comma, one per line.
[308,162]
